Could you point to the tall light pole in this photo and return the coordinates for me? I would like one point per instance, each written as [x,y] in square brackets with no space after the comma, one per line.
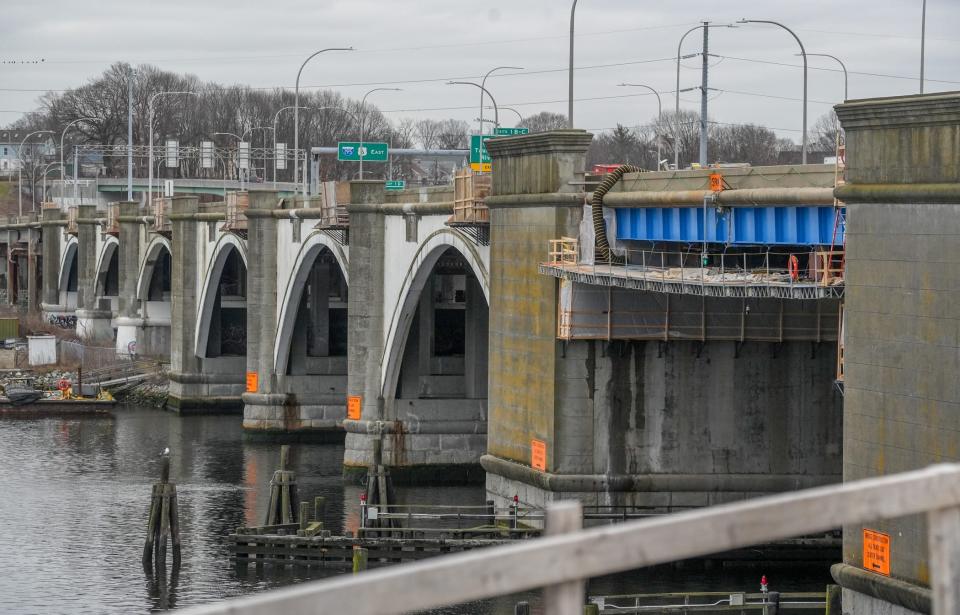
[296,107]
[363,117]
[803,52]
[63,177]
[46,170]
[129,135]
[483,84]
[923,41]
[519,116]
[20,169]
[150,130]
[846,80]
[659,113]
[239,139]
[573,13]
[496,111]
[275,117]
[263,128]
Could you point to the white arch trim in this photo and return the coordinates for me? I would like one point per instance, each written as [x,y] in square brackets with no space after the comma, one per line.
[69,254]
[158,243]
[293,291]
[110,245]
[421,266]
[211,280]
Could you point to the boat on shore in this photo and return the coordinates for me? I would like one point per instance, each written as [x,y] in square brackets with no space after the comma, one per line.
[21,399]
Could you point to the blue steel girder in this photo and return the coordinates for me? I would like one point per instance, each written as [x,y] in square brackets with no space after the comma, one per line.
[768,225]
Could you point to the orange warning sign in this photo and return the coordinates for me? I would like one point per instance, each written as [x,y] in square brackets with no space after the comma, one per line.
[353,407]
[538,455]
[876,552]
[716,182]
[253,382]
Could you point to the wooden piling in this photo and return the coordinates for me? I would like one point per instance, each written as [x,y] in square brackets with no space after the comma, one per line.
[521,608]
[283,503]
[320,509]
[591,609]
[834,594]
[163,521]
[359,559]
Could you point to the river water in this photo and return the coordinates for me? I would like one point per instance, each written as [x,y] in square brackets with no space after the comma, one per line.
[74,495]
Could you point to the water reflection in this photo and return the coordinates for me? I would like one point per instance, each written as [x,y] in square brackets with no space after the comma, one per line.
[74,497]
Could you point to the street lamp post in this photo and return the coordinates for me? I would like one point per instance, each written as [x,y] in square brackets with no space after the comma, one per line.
[923,41]
[803,52]
[46,170]
[659,113]
[483,84]
[519,116]
[846,80]
[263,128]
[296,107]
[239,139]
[363,117]
[496,110]
[20,168]
[573,12]
[63,177]
[150,130]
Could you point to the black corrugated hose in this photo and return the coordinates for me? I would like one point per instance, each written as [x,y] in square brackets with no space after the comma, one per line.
[599,228]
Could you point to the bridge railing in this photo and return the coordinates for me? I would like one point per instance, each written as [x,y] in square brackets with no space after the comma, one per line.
[561,562]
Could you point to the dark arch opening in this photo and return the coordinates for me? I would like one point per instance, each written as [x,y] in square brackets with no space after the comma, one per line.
[228,315]
[160,277]
[320,328]
[445,356]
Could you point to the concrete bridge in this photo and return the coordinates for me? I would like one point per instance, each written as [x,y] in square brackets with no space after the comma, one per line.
[461,343]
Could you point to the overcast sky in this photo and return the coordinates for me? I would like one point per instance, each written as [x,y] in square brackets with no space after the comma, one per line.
[425,42]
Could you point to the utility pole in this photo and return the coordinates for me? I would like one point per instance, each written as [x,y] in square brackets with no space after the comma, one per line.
[703,93]
[923,41]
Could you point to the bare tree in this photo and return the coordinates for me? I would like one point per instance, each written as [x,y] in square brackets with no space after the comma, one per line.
[544,121]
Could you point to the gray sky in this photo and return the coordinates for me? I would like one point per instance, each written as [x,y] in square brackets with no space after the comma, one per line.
[262,44]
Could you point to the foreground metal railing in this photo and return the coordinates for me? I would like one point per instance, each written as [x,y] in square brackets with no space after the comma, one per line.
[562,561]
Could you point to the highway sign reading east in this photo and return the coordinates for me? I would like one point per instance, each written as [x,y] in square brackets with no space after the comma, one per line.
[351,151]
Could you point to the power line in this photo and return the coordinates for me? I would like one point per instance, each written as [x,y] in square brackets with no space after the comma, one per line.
[837,70]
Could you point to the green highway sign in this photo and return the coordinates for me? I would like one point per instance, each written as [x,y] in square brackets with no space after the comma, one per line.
[395,184]
[478,151]
[372,152]
[510,132]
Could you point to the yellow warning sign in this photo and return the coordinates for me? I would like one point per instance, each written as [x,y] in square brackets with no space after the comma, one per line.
[253,382]
[538,455]
[481,167]
[353,407]
[876,552]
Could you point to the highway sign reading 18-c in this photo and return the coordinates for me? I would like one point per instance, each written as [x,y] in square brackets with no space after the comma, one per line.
[395,184]
[371,152]
[510,132]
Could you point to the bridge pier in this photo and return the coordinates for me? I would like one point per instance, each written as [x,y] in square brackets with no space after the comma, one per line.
[93,314]
[194,386]
[129,322]
[52,224]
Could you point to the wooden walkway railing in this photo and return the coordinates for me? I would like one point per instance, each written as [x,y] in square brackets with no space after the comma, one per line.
[562,561]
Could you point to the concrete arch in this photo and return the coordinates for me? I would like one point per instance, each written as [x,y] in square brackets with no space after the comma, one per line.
[110,246]
[415,278]
[211,279]
[152,253]
[66,262]
[310,249]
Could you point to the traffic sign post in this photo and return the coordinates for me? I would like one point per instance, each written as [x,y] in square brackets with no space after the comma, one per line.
[350,151]
[510,132]
[395,184]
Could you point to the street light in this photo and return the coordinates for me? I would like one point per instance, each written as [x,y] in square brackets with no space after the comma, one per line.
[264,128]
[150,130]
[573,12]
[20,169]
[659,113]
[519,116]
[296,107]
[923,41]
[496,111]
[803,52]
[363,117]
[846,81]
[483,84]
[239,139]
[46,170]
[63,177]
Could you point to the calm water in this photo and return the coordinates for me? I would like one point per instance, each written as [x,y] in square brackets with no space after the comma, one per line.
[74,496]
